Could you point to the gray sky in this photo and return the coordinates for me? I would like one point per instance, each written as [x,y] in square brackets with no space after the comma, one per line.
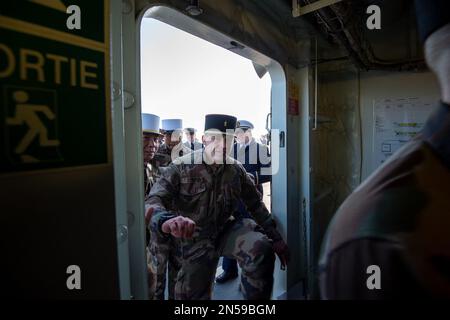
[185,77]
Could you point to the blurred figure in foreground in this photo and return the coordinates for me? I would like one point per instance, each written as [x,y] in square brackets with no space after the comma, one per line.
[390,238]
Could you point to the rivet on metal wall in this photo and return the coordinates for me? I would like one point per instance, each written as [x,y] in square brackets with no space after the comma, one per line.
[128,100]
[127,7]
[116,91]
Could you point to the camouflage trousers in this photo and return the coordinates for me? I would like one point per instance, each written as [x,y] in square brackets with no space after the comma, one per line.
[241,240]
[163,257]
[151,275]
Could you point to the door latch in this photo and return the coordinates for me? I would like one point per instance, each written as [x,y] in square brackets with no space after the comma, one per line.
[282,139]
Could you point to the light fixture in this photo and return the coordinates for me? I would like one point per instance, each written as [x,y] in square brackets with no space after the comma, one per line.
[194,8]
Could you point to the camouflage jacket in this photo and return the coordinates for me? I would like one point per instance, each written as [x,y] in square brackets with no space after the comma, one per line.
[397,220]
[151,174]
[208,195]
[163,156]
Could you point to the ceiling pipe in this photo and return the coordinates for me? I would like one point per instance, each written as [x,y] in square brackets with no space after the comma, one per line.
[362,56]
[298,10]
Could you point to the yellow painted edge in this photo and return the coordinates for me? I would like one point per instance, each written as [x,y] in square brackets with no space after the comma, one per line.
[9,174]
[48,33]
[108,83]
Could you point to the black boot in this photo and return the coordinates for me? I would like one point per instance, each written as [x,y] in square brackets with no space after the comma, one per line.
[226,276]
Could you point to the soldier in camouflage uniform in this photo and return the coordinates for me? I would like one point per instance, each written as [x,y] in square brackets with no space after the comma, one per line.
[151,141]
[172,147]
[205,189]
[396,224]
[163,252]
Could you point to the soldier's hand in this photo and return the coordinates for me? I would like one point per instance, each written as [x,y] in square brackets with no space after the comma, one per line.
[148,215]
[179,227]
[281,249]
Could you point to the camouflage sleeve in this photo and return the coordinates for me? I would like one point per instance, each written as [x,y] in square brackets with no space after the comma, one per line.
[343,272]
[254,204]
[158,219]
[162,195]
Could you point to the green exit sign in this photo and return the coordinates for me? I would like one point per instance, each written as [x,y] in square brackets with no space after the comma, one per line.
[54,85]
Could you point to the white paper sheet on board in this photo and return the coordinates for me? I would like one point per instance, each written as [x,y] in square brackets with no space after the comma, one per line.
[397,121]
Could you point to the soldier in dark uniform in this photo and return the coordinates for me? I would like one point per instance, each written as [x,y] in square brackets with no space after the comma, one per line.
[390,238]
[192,142]
[254,157]
[206,191]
